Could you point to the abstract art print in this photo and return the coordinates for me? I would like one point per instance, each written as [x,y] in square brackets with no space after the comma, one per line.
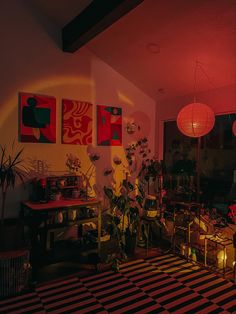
[76,122]
[37,118]
[109,126]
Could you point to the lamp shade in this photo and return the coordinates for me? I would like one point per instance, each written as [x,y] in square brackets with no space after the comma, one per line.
[195,120]
[234,128]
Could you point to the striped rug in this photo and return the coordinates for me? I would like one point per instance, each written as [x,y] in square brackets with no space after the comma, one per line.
[163,284]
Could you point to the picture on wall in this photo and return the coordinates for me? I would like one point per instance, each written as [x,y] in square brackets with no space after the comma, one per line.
[37,118]
[76,122]
[109,126]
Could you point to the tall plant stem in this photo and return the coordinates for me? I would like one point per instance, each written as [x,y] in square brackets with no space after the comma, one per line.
[3,207]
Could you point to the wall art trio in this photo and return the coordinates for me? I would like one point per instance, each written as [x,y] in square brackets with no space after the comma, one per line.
[37,121]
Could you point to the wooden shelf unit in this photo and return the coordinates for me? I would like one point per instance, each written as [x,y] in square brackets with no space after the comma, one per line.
[37,217]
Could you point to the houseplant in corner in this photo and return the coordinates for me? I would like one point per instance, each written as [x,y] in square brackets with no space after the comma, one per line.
[11,168]
[14,262]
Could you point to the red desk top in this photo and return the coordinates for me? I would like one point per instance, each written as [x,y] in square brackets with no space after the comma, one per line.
[59,204]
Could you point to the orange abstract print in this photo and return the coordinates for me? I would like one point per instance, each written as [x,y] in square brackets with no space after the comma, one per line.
[76,122]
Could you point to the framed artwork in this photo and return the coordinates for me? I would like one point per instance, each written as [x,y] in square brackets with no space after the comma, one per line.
[37,118]
[109,126]
[76,122]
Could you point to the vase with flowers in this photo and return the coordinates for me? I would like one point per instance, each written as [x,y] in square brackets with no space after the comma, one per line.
[73,163]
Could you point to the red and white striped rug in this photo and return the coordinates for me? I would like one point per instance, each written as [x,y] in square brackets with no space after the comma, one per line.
[163,284]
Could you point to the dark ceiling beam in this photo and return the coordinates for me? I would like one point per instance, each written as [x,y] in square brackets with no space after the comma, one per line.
[99,15]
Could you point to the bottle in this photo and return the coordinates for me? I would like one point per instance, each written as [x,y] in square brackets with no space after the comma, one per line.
[193,255]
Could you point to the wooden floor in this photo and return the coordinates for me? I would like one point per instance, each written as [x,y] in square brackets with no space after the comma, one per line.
[163,283]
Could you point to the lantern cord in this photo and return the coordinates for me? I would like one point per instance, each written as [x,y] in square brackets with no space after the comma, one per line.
[199,65]
[198,167]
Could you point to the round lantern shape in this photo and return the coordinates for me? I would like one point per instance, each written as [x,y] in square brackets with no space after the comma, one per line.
[195,120]
[234,128]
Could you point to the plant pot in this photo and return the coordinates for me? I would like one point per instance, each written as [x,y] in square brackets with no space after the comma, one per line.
[130,243]
[11,235]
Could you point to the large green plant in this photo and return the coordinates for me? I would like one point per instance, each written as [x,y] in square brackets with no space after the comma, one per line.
[11,168]
[124,222]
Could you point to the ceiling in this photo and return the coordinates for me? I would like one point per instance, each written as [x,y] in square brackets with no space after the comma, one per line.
[157,44]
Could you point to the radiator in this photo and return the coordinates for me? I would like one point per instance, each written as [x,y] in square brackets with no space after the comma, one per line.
[15,272]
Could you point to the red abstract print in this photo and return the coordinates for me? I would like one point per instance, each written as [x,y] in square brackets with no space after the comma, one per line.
[109,126]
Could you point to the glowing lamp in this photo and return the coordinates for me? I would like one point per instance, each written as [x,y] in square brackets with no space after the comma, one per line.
[221,259]
[195,120]
[234,128]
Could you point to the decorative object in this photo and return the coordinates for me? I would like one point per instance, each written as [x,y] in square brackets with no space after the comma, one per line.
[14,262]
[73,163]
[117,161]
[221,259]
[195,119]
[37,118]
[89,175]
[72,214]
[94,157]
[109,126]
[76,122]
[132,127]
[15,271]
[142,145]
[234,128]
[92,169]
[124,216]
[11,168]
[150,206]
[107,171]
[232,213]
[151,169]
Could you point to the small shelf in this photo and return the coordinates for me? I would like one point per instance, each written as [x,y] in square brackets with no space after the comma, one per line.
[70,223]
[68,187]
[57,187]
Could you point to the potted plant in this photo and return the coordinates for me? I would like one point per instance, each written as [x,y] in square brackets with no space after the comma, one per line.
[124,216]
[14,260]
[11,168]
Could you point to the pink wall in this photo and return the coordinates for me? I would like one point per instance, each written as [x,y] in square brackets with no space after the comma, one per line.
[32,61]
